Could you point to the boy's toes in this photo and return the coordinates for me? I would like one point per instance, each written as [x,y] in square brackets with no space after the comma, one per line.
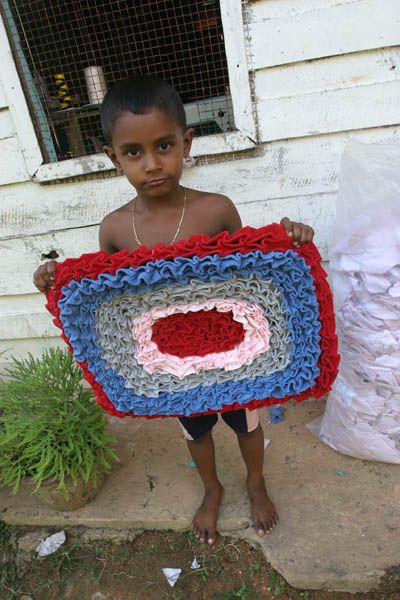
[195,530]
[211,537]
[262,529]
[265,527]
[261,532]
[203,534]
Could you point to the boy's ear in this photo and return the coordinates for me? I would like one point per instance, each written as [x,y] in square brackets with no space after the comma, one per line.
[113,157]
[187,141]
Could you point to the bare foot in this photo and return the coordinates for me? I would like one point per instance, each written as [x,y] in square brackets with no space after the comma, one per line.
[262,508]
[205,520]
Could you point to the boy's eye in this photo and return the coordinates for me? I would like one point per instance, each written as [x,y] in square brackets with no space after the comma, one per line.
[133,152]
[164,146]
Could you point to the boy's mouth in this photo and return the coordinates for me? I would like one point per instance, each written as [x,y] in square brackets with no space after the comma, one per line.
[156,182]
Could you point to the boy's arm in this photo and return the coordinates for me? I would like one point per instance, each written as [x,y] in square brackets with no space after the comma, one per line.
[228,214]
[106,235]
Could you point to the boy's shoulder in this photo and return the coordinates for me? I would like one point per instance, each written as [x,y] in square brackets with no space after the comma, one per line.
[116,216]
[110,227]
[213,201]
[118,213]
[218,209]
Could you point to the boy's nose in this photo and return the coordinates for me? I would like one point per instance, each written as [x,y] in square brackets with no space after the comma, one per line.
[151,163]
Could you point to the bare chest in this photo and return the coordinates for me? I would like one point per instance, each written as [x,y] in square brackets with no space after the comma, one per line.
[162,229]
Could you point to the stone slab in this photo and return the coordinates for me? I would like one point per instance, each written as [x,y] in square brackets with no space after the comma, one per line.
[336,532]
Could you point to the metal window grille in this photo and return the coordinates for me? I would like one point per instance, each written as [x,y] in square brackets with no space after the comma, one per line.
[69,53]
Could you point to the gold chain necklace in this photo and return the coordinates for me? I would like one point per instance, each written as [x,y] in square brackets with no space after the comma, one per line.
[139,243]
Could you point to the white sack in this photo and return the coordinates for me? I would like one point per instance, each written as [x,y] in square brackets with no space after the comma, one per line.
[362,416]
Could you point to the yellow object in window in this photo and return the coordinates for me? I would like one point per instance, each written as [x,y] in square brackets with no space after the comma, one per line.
[65,100]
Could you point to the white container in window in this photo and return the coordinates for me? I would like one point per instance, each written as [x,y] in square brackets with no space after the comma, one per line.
[95,84]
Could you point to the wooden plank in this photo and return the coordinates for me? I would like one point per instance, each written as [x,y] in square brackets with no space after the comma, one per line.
[334,94]
[328,74]
[30,209]
[235,49]
[19,348]
[25,316]
[74,167]
[233,141]
[286,8]
[16,326]
[291,168]
[221,143]
[28,143]
[289,31]
[325,112]
[12,161]
[20,257]
[7,128]
[3,99]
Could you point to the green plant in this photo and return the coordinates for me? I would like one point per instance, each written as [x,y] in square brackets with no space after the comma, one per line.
[5,533]
[245,589]
[276,583]
[191,535]
[50,426]
[65,560]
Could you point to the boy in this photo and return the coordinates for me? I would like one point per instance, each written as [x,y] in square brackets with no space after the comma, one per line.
[144,123]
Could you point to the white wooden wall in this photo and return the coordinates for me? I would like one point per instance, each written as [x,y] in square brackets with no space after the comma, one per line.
[324,71]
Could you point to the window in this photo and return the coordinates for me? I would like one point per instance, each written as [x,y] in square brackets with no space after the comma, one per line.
[69,53]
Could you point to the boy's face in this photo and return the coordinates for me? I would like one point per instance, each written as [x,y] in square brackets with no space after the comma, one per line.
[149,150]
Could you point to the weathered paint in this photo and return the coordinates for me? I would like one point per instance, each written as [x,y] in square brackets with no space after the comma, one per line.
[7,128]
[25,132]
[21,256]
[221,143]
[12,163]
[333,94]
[3,99]
[286,169]
[287,31]
[232,20]
[309,109]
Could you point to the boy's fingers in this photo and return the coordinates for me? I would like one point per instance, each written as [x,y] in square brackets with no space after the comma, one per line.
[304,236]
[37,278]
[40,283]
[287,224]
[44,276]
[307,234]
[299,232]
[51,269]
[296,232]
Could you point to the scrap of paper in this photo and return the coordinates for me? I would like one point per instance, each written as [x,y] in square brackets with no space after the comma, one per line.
[172,575]
[195,564]
[51,544]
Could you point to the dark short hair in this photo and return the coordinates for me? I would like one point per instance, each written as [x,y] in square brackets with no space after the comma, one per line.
[139,95]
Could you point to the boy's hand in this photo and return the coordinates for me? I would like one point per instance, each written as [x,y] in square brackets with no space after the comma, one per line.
[299,232]
[44,276]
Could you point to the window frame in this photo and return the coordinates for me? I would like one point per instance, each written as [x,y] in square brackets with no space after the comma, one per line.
[243,138]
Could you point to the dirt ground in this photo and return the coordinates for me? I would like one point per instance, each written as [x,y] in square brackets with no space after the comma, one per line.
[128,566]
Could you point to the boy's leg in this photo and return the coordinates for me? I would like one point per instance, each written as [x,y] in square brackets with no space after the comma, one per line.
[203,453]
[251,445]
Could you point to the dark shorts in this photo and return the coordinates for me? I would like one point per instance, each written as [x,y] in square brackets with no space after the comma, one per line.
[241,421]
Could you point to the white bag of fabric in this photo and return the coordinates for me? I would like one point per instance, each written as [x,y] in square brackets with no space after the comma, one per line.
[362,415]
